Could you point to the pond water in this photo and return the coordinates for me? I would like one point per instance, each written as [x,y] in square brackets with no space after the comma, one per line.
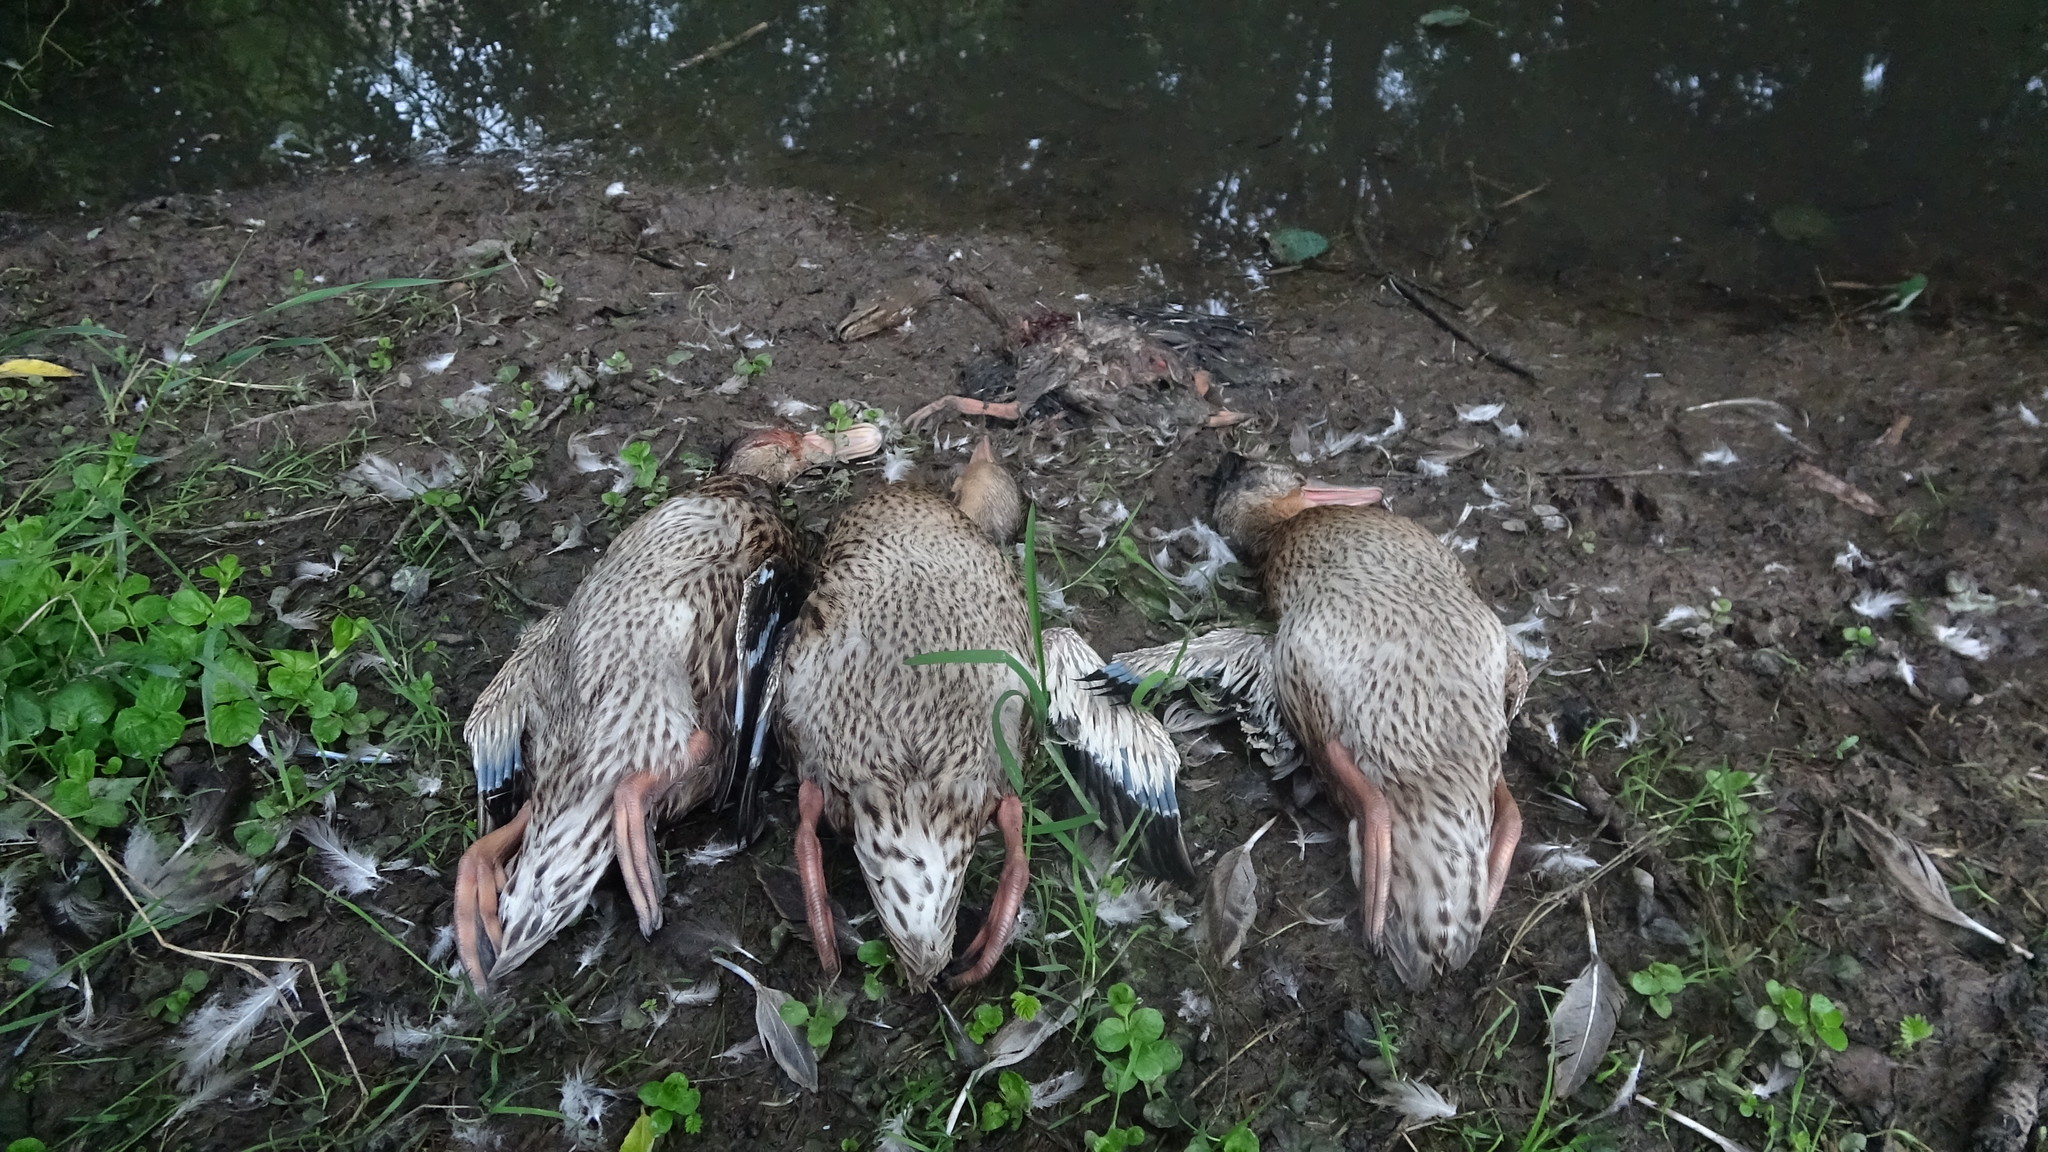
[1739,145]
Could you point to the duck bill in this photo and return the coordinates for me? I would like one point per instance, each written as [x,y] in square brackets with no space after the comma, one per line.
[1316,494]
[855,443]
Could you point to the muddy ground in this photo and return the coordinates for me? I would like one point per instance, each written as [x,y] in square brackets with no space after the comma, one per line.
[1601,498]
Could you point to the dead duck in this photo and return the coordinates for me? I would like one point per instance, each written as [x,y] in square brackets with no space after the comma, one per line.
[1156,369]
[1389,675]
[903,757]
[632,703]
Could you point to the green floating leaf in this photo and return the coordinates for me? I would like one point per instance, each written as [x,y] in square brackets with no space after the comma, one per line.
[1294,245]
[1803,224]
[1906,291]
[1445,18]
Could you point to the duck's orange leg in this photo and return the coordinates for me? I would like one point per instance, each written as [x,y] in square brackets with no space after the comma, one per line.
[1507,832]
[996,931]
[965,406]
[634,803]
[1372,830]
[810,869]
[478,880]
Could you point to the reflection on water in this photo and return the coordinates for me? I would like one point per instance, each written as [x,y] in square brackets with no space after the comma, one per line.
[1739,143]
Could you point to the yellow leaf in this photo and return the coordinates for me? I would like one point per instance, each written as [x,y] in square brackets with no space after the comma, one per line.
[41,369]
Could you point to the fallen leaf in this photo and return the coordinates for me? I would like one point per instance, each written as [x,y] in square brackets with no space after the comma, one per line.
[1913,873]
[35,369]
[1294,245]
[1837,487]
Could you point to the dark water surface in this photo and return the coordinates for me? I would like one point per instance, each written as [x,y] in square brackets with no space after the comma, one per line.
[1733,143]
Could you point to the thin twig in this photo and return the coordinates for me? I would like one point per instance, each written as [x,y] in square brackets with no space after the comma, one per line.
[483,568]
[267,522]
[1413,293]
[720,48]
[1518,197]
[1265,1034]
[242,960]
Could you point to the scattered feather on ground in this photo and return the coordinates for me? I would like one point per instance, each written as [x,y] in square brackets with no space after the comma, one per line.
[223,1026]
[352,871]
[1418,1103]
[1912,872]
[1583,1022]
[1875,605]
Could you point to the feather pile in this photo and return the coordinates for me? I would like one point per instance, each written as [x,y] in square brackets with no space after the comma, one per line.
[1199,576]
[584,1104]
[1014,1043]
[395,481]
[185,882]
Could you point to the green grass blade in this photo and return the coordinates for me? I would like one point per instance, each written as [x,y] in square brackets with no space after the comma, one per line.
[26,115]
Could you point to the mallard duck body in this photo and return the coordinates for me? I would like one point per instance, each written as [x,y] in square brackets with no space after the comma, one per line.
[628,705]
[1394,680]
[903,757]
[1388,664]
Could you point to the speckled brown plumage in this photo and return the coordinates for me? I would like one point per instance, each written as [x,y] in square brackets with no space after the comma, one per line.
[617,709]
[1383,646]
[904,756]
[1384,652]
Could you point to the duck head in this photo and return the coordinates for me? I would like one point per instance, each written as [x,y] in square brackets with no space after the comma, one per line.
[779,455]
[989,495]
[915,861]
[1254,497]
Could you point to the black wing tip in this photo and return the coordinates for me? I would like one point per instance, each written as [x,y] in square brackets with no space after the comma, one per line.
[1114,680]
[1164,853]
[1157,846]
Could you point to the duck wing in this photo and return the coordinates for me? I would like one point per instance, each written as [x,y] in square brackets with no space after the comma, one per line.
[498,723]
[1223,671]
[768,603]
[1127,762]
